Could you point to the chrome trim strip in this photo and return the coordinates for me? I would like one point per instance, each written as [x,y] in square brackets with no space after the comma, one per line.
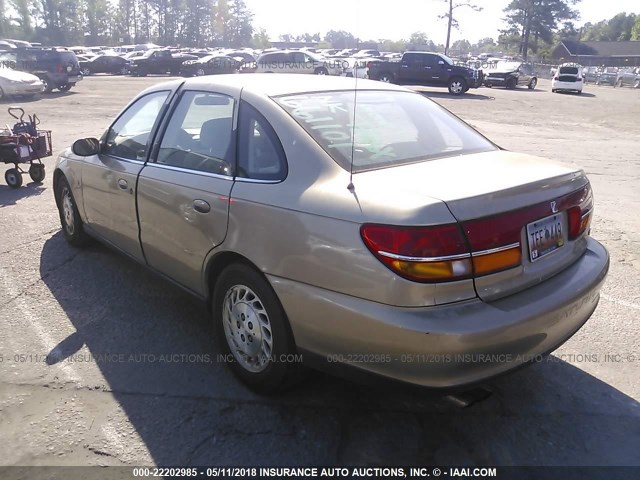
[496,250]
[424,259]
[187,170]
[255,180]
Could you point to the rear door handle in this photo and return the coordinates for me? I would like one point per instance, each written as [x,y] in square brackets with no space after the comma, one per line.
[122,183]
[201,206]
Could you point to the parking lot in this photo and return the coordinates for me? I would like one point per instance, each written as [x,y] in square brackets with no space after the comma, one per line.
[102,363]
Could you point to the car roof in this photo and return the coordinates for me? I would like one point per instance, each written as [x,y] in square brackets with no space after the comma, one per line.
[275,84]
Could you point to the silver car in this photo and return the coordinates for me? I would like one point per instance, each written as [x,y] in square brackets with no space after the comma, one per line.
[358,225]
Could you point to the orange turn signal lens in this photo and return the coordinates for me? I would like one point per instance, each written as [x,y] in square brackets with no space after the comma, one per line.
[434,271]
[498,261]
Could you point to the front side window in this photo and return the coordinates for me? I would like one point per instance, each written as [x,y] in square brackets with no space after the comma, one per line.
[199,135]
[391,128]
[129,136]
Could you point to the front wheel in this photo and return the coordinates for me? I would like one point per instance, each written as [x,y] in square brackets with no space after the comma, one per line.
[321,71]
[636,84]
[13,177]
[533,83]
[48,86]
[37,172]
[457,86]
[69,215]
[86,72]
[66,87]
[253,331]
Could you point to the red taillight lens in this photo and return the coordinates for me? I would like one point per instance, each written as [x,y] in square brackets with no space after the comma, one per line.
[579,222]
[60,68]
[369,64]
[422,254]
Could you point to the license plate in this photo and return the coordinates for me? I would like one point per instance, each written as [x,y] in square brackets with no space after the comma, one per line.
[545,236]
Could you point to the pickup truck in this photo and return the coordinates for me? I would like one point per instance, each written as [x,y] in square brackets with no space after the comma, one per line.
[425,68]
[159,61]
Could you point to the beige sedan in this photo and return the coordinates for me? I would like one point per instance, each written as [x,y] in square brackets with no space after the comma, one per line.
[353,225]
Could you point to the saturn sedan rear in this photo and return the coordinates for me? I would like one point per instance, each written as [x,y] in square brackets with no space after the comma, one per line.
[359,224]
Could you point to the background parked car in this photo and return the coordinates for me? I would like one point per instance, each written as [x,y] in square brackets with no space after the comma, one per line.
[607,76]
[294,61]
[14,83]
[105,64]
[160,62]
[511,75]
[590,74]
[629,78]
[210,65]
[568,78]
[57,68]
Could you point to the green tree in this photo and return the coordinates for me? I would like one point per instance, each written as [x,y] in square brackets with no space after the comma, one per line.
[535,20]
[261,39]
[635,31]
[451,21]
[618,28]
[341,39]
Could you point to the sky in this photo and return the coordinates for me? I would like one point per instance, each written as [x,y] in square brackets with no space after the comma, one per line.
[396,19]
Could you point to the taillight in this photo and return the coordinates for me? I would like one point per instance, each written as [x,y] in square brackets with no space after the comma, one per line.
[60,68]
[369,64]
[579,222]
[421,254]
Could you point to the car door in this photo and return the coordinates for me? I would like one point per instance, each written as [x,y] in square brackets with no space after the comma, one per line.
[525,74]
[109,178]
[411,67]
[183,192]
[437,69]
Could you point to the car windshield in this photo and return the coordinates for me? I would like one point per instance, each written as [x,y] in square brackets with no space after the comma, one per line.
[446,59]
[391,128]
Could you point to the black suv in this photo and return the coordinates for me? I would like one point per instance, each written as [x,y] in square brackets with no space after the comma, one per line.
[56,68]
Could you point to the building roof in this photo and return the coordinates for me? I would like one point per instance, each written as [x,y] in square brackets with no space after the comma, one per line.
[603,48]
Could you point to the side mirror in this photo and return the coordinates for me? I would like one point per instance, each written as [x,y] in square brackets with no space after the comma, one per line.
[86,147]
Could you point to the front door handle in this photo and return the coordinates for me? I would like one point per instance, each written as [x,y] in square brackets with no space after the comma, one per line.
[201,206]
[122,183]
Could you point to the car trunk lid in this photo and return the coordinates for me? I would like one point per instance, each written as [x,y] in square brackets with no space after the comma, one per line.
[510,205]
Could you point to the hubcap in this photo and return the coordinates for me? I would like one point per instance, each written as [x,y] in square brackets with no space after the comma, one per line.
[12,178]
[200,72]
[67,211]
[456,87]
[385,79]
[247,328]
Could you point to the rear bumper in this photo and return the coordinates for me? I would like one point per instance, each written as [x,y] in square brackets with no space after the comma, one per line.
[446,346]
[567,86]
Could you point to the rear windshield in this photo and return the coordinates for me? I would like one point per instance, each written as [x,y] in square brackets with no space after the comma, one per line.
[568,70]
[391,128]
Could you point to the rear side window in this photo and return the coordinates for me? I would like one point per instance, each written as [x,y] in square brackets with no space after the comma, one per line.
[390,128]
[260,153]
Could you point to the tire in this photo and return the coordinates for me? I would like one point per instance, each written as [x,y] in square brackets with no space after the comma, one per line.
[636,84]
[70,220]
[1,94]
[618,83]
[321,71]
[256,333]
[143,72]
[387,78]
[457,86]
[533,83]
[86,72]
[48,86]
[200,72]
[553,90]
[124,71]
[13,177]
[66,87]
[37,172]
[511,84]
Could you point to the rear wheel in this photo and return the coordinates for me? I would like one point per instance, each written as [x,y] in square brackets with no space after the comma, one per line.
[66,87]
[200,72]
[13,177]
[321,71]
[252,327]
[387,78]
[86,72]
[533,83]
[69,216]
[637,84]
[1,94]
[457,86]
[37,172]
